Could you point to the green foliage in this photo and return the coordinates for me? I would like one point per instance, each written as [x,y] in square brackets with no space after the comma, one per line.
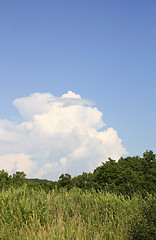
[128,175]
[143,225]
[84,181]
[116,202]
[5,179]
[62,214]
[65,181]
[150,157]
[19,178]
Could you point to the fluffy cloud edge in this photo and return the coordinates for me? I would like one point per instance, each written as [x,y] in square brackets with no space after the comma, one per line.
[56,135]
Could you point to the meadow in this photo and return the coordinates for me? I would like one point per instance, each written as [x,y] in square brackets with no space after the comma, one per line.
[75,214]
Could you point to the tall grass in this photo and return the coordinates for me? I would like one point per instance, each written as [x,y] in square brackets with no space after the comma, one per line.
[75,215]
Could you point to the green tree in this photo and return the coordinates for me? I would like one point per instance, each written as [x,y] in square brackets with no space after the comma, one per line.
[19,178]
[85,181]
[65,180]
[128,175]
[5,179]
[149,156]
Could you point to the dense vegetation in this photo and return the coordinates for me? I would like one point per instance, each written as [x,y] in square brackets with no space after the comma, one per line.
[116,201]
[127,176]
[27,213]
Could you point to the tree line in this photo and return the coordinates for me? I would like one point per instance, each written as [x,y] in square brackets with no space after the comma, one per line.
[125,176]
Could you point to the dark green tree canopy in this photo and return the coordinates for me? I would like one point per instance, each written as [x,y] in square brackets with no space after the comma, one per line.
[127,176]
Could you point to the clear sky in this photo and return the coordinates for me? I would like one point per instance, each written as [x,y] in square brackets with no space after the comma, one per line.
[104,51]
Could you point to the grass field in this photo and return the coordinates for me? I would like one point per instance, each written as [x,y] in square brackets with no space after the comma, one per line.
[26,213]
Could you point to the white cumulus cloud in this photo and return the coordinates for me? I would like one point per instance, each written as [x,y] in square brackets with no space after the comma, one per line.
[56,135]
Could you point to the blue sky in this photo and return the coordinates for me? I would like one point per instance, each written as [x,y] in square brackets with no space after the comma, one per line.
[104,51]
